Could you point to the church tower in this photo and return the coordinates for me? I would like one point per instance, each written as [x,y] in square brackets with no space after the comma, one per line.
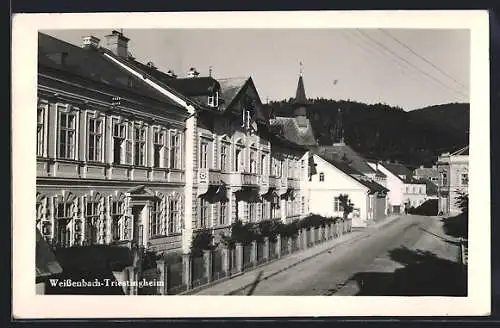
[338,130]
[300,103]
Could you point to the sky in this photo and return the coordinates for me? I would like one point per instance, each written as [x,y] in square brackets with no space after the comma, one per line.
[409,68]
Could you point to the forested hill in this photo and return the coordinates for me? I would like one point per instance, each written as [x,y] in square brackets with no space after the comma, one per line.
[383,132]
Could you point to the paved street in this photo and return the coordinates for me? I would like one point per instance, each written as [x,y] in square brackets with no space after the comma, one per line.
[410,256]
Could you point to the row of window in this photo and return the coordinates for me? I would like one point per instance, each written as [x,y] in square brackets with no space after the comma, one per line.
[213,214]
[464,179]
[256,164]
[130,141]
[99,229]
[415,190]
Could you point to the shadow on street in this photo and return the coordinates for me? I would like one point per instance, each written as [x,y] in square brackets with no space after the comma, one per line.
[456,226]
[423,274]
[254,284]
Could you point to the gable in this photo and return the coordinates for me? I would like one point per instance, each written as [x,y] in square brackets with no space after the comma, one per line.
[248,99]
[141,191]
[334,178]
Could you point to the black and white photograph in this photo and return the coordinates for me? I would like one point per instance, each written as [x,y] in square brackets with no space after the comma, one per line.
[255,161]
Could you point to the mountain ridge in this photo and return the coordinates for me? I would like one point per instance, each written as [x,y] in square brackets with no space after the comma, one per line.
[384,132]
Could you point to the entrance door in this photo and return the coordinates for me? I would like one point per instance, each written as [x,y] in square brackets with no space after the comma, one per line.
[137,227]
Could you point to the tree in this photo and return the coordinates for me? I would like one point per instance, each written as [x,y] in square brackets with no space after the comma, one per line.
[462,201]
[346,204]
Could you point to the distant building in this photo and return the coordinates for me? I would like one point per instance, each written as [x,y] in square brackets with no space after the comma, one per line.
[341,162]
[453,170]
[332,178]
[404,190]
[427,173]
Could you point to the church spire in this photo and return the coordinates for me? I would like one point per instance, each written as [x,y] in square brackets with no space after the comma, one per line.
[338,130]
[300,101]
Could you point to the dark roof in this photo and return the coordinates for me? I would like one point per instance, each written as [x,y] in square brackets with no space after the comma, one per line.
[189,87]
[380,174]
[355,174]
[342,152]
[231,87]
[300,94]
[194,87]
[46,262]
[397,169]
[91,65]
[414,181]
[288,128]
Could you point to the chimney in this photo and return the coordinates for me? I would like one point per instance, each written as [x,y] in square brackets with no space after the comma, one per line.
[90,42]
[151,65]
[192,73]
[171,73]
[117,43]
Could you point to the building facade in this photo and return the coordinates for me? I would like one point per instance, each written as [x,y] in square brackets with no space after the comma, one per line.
[130,155]
[453,170]
[110,152]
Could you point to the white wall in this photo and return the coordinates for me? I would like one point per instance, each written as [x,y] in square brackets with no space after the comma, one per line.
[395,186]
[416,194]
[336,182]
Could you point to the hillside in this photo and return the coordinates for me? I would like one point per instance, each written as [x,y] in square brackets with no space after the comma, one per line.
[383,132]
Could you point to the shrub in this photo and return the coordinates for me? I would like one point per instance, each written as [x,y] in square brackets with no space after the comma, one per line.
[289,229]
[269,228]
[202,240]
[241,233]
[462,201]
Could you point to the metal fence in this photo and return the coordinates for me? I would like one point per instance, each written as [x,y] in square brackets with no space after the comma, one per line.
[232,261]
[295,243]
[247,254]
[198,271]
[272,250]
[284,245]
[260,253]
[199,275]
[217,269]
[149,275]
[175,277]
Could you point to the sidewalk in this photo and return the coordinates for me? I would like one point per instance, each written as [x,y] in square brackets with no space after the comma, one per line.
[246,279]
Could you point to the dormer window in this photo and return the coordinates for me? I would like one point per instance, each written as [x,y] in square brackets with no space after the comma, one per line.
[213,100]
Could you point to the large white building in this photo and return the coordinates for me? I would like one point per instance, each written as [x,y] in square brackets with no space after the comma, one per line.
[131,155]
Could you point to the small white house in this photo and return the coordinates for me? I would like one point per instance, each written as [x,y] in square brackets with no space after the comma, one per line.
[404,190]
[330,178]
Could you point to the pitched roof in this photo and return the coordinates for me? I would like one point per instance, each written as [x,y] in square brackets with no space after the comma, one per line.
[300,94]
[354,174]
[230,88]
[45,260]
[288,128]
[343,152]
[91,65]
[194,87]
[461,151]
[397,169]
